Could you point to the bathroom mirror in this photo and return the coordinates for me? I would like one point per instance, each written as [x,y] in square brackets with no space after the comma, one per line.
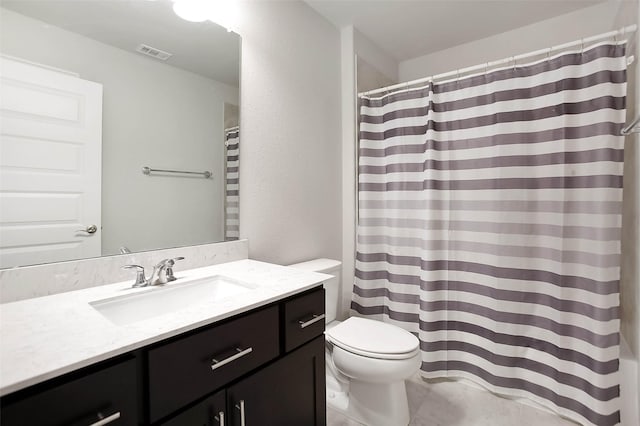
[96,91]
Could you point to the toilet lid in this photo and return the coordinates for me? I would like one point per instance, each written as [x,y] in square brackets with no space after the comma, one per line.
[377,338]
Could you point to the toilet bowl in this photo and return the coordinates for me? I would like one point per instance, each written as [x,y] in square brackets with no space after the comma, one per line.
[376,358]
[367,361]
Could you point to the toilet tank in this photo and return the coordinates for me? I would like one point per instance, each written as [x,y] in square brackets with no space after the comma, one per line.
[331,286]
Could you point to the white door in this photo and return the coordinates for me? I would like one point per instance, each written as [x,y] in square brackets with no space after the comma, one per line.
[50,165]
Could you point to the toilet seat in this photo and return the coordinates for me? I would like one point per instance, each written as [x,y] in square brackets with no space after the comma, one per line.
[373,339]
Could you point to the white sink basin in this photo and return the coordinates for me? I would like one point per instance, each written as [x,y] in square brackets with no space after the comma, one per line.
[160,300]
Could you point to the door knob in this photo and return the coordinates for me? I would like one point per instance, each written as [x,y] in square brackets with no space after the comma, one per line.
[91,229]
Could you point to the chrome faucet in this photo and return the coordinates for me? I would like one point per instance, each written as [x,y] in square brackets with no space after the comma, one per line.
[170,276]
[162,273]
[141,280]
[159,274]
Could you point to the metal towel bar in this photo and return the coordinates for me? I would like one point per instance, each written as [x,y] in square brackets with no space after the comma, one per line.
[148,170]
[631,128]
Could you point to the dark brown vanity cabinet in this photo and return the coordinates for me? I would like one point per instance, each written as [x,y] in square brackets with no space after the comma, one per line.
[260,368]
[207,360]
[280,382]
[285,393]
[105,394]
[289,391]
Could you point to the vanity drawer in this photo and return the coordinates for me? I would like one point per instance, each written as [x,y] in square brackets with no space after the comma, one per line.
[303,318]
[189,368]
[106,397]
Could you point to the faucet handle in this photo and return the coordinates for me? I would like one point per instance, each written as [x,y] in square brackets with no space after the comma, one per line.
[141,279]
[163,263]
[171,262]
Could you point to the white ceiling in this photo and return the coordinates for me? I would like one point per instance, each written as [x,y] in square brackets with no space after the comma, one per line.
[409,29]
[203,48]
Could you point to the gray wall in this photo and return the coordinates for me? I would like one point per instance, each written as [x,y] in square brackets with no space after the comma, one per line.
[585,22]
[290,205]
[153,115]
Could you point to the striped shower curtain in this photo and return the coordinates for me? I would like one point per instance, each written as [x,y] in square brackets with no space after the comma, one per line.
[232,184]
[489,225]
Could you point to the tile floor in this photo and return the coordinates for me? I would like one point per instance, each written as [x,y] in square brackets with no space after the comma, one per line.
[450,403]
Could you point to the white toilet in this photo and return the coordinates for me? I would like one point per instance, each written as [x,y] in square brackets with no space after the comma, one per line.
[366,361]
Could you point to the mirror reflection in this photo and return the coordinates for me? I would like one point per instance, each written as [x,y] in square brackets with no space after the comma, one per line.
[94,92]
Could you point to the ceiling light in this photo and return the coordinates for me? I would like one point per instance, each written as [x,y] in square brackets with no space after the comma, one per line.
[221,12]
[190,10]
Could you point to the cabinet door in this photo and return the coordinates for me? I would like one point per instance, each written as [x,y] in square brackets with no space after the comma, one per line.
[289,392]
[104,397]
[210,412]
[193,366]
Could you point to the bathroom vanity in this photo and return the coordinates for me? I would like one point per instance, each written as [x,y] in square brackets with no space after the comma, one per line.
[258,365]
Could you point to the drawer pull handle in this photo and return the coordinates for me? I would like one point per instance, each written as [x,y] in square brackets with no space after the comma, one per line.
[313,320]
[220,418]
[106,420]
[240,354]
[241,408]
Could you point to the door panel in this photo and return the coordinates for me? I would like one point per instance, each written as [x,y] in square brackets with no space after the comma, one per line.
[297,399]
[50,164]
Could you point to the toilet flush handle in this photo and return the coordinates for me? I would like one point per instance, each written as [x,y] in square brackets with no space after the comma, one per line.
[314,319]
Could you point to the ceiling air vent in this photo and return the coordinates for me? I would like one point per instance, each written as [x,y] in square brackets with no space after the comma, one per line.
[153,52]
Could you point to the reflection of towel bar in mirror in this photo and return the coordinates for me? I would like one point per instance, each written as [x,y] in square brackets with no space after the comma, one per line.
[631,128]
[147,171]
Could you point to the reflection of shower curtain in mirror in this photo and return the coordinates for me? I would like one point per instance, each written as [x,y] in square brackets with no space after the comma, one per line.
[232,187]
[489,225]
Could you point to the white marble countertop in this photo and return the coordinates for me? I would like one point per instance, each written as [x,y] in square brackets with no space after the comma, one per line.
[46,337]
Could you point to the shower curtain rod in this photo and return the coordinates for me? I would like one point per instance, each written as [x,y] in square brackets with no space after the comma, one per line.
[512,59]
